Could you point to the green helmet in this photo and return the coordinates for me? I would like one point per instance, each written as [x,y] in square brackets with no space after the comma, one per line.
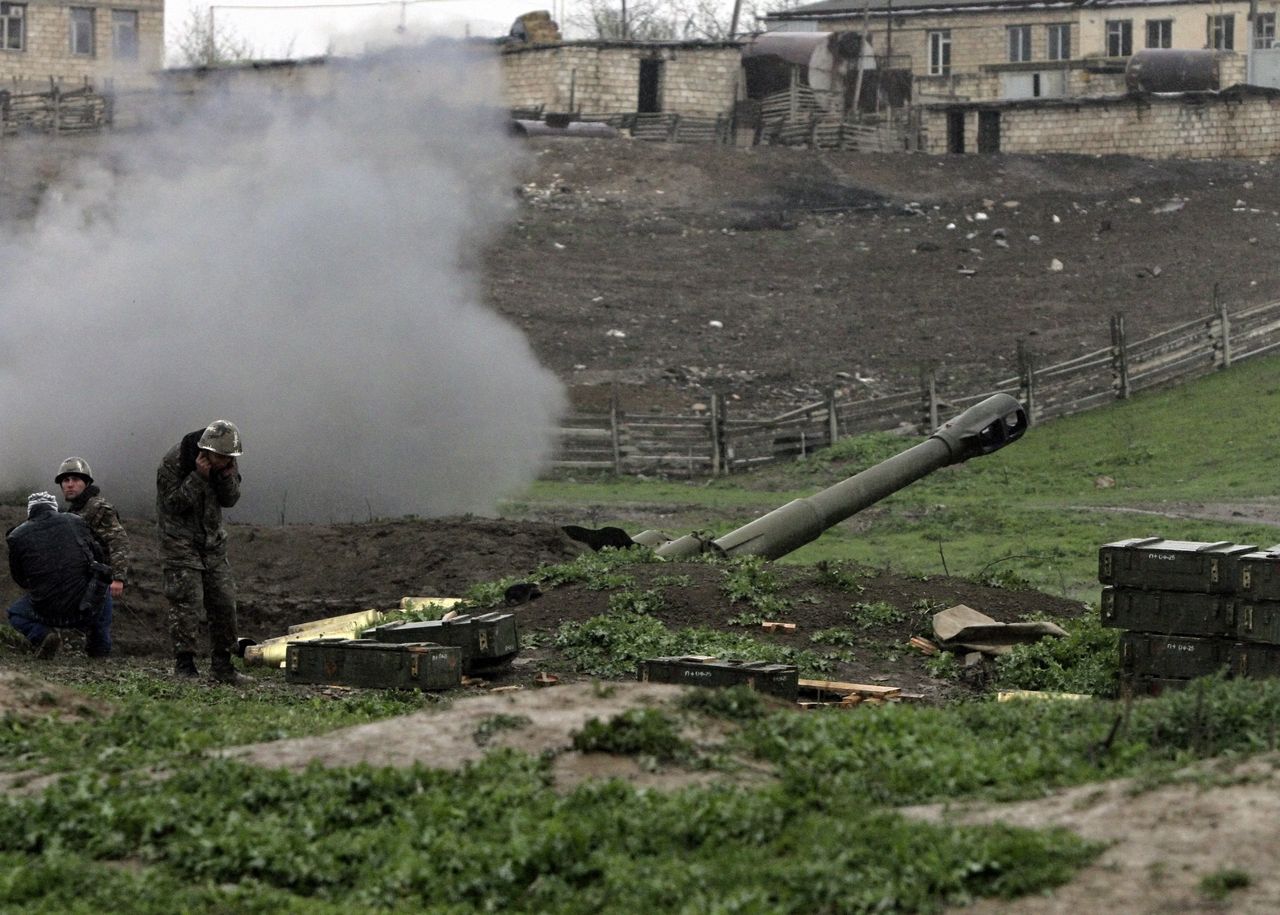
[221,437]
[74,465]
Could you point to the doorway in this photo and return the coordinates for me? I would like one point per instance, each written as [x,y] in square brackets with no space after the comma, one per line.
[650,101]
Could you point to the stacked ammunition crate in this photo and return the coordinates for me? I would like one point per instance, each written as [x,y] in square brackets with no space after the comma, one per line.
[1191,609]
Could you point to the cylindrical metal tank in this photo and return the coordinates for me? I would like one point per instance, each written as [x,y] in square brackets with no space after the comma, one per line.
[1172,70]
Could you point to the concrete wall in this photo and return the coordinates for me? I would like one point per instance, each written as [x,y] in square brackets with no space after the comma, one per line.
[597,79]
[1238,124]
[47,51]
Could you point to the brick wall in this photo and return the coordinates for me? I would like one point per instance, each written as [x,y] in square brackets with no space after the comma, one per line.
[47,51]
[1240,124]
[698,80]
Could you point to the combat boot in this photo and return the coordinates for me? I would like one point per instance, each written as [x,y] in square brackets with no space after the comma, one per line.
[185,664]
[49,645]
[222,670]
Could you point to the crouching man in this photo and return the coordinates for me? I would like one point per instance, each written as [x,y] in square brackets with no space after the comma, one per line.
[56,559]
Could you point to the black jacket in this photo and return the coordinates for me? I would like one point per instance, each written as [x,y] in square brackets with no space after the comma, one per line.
[54,556]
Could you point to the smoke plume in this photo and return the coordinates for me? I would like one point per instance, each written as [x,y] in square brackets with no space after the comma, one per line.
[302,263]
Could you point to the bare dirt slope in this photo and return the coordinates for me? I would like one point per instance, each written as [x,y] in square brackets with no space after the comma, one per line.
[826,267]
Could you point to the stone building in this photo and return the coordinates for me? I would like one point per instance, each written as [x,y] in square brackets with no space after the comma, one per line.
[110,46]
[606,77]
[1241,122]
[1009,49]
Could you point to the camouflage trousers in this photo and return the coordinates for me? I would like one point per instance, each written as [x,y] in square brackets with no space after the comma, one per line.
[190,591]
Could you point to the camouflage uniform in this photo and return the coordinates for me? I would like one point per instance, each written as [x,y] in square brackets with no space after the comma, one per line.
[105,524]
[193,547]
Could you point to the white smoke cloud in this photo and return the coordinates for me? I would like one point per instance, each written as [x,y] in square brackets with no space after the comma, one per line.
[303,264]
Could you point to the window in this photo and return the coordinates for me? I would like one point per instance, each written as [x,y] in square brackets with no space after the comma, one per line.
[82,31]
[124,34]
[1264,30]
[1059,41]
[1019,42]
[1159,33]
[1222,32]
[1119,37]
[12,30]
[940,53]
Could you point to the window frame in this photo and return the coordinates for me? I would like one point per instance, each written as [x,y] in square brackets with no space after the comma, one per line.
[1221,27]
[1264,31]
[13,28]
[1018,43]
[1162,31]
[123,20]
[939,41]
[88,18]
[1057,37]
[1119,34]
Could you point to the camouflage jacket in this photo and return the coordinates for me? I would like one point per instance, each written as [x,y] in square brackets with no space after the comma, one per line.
[105,524]
[189,508]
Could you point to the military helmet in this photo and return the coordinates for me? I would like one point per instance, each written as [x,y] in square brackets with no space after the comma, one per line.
[221,437]
[74,465]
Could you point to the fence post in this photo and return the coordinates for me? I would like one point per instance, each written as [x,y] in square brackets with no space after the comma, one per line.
[673,132]
[720,451]
[833,419]
[1027,373]
[930,392]
[1119,358]
[615,433]
[1224,328]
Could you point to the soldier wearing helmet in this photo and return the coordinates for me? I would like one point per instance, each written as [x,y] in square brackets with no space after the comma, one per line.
[197,479]
[85,499]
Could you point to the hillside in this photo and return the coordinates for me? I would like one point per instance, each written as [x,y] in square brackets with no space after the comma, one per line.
[855,271]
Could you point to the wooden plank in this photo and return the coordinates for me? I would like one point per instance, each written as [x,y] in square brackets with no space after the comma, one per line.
[862,689]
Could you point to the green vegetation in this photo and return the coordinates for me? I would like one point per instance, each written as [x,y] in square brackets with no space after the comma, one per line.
[1034,513]
[1219,884]
[647,733]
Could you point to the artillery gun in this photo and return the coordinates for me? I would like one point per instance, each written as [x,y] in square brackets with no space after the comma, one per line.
[983,428]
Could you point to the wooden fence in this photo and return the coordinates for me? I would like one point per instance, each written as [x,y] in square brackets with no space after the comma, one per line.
[715,443]
[55,111]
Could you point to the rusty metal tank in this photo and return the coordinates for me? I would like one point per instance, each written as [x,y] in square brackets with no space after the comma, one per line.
[1173,70]
[986,427]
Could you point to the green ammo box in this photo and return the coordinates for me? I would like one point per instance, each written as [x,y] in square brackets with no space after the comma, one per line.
[485,640]
[1252,660]
[1135,685]
[781,680]
[1258,575]
[1171,565]
[375,665]
[1258,621]
[1168,612]
[1171,657]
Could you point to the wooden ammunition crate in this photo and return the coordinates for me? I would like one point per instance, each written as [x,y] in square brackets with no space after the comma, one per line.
[1171,657]
[1136,685]
[1258,575]
[1257,621]
[1168,612]
[376,665]
[485,640]
[1255,661]
[782,680]
[1171,565]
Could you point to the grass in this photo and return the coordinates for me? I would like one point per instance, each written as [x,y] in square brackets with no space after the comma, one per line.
[1034,508]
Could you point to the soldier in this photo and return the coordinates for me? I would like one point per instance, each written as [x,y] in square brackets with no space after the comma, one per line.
[196,480]
[85,499]
[55,558]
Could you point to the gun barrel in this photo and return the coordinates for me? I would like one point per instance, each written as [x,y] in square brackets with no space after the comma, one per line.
[982,429]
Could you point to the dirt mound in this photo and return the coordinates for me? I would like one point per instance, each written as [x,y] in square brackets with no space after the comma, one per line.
[1225,816]
[28,697]
[299,572]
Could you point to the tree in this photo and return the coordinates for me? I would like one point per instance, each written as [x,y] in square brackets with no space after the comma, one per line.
[667,20]
[202,42]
